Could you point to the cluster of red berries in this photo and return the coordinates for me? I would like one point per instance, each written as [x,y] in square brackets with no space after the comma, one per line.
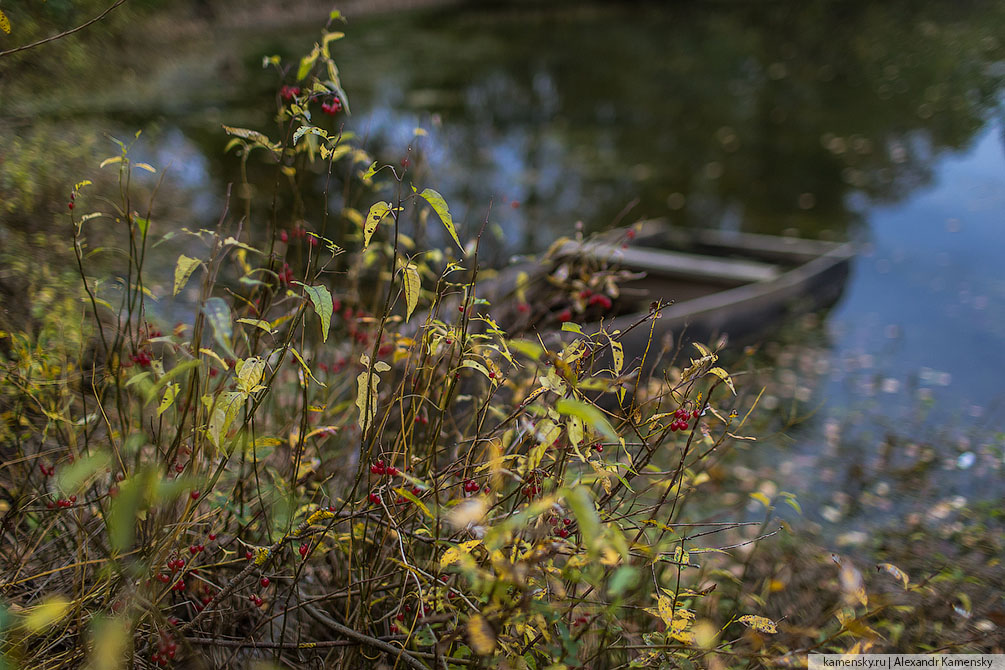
[332,108]
[421,419]
[304,548]
[196,549]
[141,358]
[379,468]
[532,487]
[256,599]
[178,585]
[471,486]
[289,92]
[335,367]
[286,275]
[166,650]
[62,503]
[375,498]
[562,532]
[47,471]
[176,564]
[600,299]
[73,196]
[682,416]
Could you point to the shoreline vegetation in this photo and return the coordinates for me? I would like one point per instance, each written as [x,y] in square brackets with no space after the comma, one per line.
[337,456]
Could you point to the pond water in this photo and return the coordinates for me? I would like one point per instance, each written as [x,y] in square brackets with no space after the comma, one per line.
[879,122]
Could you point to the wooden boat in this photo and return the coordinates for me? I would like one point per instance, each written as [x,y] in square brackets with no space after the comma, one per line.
[719,282]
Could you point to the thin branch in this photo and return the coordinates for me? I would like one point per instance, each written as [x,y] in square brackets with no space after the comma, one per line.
[63,34]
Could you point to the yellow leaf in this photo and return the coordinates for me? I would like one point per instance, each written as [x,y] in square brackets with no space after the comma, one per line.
[307,370]
[724,376]
[111,641]
[483,638]
[183,270]
[454,554]
[664,606]
[440,207]
[249,374]
[46,614]
[412,283]
[759,623]
[895,571]
[4,23]
[373,218]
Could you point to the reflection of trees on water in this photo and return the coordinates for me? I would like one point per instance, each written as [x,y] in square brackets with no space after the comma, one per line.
[764,117]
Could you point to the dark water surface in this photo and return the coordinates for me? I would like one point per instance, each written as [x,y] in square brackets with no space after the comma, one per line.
[880,122]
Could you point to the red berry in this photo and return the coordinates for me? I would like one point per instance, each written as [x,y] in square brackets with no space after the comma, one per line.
[73,499]
[522,307]
[400,617]
[70,205]
[392,471]
[194,495]
[303,549]
[567,521]
[284,236]
[696,414]
[265,582]
[599,448]
[193,550]
[565,315]
[212,536]
[249,555]
[201,548]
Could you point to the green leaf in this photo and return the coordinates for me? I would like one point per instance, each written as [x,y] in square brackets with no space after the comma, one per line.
[370,171]
[571,327]
[307,62]
[218,313]
[323,305]
[177,370]
[254,136]
[586,514]
[73,477]
[373,218]
[587,413]
[183,270]
[623,579]
[412,283]
[125,507]
[440,207]
[224,412]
